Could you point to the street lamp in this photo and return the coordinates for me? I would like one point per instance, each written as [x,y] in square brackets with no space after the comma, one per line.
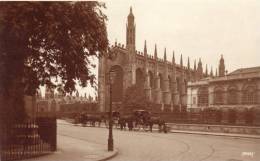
[112,75]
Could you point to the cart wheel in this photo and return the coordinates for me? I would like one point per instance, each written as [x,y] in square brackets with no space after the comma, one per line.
[146,128]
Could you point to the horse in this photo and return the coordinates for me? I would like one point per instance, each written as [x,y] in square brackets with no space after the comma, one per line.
[93,119]
[156,120]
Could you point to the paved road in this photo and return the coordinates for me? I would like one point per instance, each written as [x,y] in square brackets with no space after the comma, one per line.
[145,146]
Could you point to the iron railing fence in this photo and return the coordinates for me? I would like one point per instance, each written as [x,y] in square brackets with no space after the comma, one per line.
[246,118]
[28,139]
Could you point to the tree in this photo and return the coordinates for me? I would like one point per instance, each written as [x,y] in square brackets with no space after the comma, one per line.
[40,41]
[135,99]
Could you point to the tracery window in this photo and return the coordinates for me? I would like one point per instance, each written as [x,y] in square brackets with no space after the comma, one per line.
[218,96]
[185,84]
[170,83]
[151,80]
[178,84]
[232,95]
[250,95]
[160,81]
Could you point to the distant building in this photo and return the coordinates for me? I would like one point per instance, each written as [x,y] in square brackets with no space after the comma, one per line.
[52,102]
[238,89]
[164,82]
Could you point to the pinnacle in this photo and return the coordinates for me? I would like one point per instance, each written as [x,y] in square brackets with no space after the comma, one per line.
[188,63]
[181,61]
[173,57]
[145,49]
[155,51]
[164,53]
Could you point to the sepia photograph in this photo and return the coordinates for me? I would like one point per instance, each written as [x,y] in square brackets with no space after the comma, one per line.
[132,80]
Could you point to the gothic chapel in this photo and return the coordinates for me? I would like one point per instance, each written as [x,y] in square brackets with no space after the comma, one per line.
[164,82]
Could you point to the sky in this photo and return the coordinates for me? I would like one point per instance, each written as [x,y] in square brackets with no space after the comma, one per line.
[196,29]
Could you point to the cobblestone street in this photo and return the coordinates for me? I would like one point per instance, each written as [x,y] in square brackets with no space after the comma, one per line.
[146,146]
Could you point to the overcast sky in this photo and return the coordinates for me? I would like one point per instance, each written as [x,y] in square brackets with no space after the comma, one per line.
[194,28]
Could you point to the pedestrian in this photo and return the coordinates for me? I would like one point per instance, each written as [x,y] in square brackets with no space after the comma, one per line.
[164,127]
[151,125]
[124,123]
[120,121]
[130,124]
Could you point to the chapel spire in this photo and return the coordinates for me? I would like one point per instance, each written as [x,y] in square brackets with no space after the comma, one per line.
[130,31]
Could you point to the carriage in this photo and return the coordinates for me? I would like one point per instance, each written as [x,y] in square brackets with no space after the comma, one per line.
[86,119]
[93,119]
[145,120]
[136,120]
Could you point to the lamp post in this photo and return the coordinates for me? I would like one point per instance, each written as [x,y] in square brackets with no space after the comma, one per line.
[112,74]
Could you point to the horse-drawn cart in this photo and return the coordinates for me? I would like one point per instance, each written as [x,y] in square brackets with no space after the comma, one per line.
[93,119]
[136,120]
[145,120]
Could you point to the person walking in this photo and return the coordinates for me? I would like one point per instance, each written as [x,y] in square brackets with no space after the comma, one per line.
[130,124]
[120,121]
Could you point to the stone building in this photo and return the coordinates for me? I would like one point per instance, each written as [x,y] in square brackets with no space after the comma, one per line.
[238,89]
[164,82]
[52,102]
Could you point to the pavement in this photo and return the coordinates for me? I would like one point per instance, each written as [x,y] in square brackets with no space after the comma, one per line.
[76,149]
[79,144]
[147,146]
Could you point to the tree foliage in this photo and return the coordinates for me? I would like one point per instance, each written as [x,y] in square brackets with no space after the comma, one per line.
[41,41]
[135,99]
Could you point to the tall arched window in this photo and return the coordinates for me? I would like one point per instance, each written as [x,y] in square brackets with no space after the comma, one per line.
[249,94]
[117,89]
[232,95]
[178,84]
[185,85]
[151,80]
[161,81]
[218,96]
[140,79]
[170,82]
[203,96]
